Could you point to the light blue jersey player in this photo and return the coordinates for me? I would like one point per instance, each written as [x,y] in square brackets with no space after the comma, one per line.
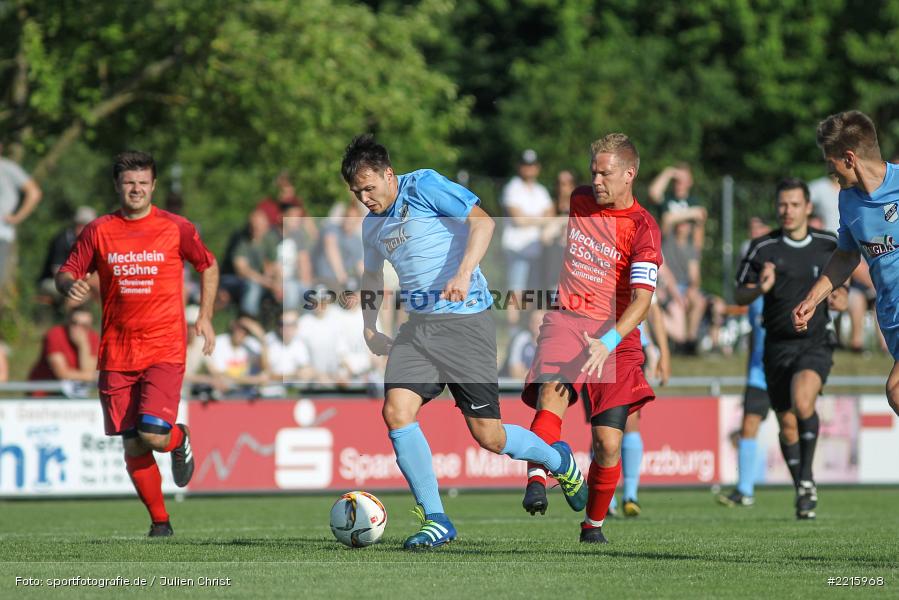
[434,234]
[869,226]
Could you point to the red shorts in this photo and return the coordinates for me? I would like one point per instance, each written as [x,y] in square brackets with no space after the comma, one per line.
[562,351]
[154,391]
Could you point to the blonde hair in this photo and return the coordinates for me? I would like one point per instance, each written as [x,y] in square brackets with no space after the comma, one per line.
[850,130]
[620,145]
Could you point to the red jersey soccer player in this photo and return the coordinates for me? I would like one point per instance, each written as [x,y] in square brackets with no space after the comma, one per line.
[592,345]
[138,252]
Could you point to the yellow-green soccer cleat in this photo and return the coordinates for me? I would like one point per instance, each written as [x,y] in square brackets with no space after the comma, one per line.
[570,478]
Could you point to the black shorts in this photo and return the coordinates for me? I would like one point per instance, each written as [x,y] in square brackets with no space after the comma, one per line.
[783,359]
[756,401]
[431,352]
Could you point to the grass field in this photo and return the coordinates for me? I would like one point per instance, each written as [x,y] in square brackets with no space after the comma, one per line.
[684,545]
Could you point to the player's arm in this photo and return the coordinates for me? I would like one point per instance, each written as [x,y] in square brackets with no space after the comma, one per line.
[209,285]
[72,278]
[754,278]
[371,297]
[480,232]
[839,268]
[601,348]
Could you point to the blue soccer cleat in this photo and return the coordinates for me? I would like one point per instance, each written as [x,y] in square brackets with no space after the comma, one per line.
[434,532]
[570,478]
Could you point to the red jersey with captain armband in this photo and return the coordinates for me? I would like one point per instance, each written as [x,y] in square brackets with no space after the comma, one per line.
[140,263]
[608,253]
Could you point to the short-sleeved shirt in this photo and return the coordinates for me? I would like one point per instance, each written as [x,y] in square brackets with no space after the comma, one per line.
[797,265]
[349,244]
[259,252]
[532,200]
[12,179]
[423,235]
[56,341]
[58,252]
[236,361]
[870,223]
[609,253]
[140,263]
[672,203]
[285,359]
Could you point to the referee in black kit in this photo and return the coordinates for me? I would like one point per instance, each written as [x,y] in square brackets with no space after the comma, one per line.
[783,265]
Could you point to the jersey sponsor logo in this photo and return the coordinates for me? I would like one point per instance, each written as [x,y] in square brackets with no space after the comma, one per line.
[891,212]
[644,273]
[598,247]
[135,257]
[392,243]
[404,213]
[880,245]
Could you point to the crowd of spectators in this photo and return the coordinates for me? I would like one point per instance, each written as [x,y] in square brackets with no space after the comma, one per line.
[291,283]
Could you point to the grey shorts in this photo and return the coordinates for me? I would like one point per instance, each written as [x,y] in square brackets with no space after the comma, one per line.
[431,352]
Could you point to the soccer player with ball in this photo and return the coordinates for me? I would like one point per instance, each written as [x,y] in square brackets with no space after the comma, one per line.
[434,234]
[139,253]
[591,346]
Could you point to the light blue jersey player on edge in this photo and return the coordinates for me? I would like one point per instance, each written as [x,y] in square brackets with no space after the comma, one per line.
[869,226]
[434,234]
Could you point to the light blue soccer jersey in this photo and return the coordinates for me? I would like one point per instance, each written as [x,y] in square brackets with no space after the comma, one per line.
[424,235]
[870,223]
[755,376]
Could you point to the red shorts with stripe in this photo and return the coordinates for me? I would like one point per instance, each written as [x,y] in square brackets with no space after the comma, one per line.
[154,391]
[562,351]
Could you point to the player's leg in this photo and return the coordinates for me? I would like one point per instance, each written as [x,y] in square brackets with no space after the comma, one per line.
[552,401]
[160,396]
[631,460]
[605,470]
[120,400]
[789,442]
[806,387]
[755,408]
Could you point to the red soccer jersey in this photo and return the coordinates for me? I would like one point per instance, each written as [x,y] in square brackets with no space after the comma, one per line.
[608,253]
[141,267]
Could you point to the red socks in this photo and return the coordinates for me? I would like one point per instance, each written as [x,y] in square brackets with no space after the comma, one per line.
[601,482]
[148,483]
[175,440]
[548,427]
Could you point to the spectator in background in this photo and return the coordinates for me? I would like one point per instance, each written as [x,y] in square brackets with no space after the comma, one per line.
[339,256]
[69,351]
[286,197]
[554,231]
[59,249]
[198,381]
[682,261]
[14,182]
[288,357]
[320,330]
[679,205]
[522,347]
[825,195]
[355,361]
[256,265]
[527,204]
[294,258]
[240,360]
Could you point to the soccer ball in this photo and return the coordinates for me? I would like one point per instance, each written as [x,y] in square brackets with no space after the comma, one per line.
[358,519]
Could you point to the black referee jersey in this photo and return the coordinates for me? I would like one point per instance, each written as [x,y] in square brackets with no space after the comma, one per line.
[797,265]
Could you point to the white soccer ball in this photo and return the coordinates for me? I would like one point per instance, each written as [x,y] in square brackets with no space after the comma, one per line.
[358,519]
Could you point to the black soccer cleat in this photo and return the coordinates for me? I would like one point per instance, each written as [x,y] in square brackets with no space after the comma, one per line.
[535,499]
[163,529]
[183,460]
[593,535]
[806,500]
[735,498]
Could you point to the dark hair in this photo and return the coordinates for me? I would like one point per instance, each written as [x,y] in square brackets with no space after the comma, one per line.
[792,183]
[850,130]
[363,153]
[132,160]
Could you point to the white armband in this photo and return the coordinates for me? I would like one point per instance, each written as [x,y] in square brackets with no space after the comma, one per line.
[644,273]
